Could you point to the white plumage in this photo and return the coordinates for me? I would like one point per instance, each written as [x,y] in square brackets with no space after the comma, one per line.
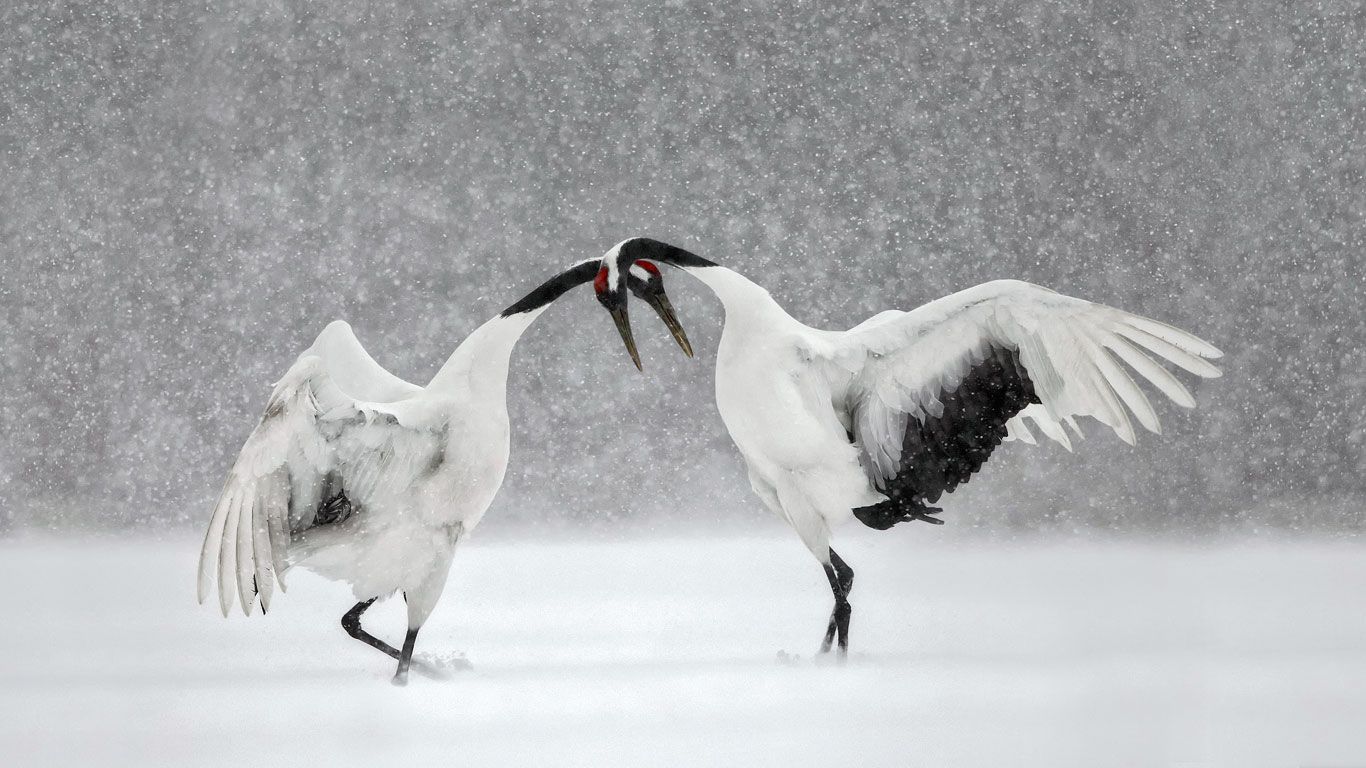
[392,455]
[363,477]
[825,419]
[901,361]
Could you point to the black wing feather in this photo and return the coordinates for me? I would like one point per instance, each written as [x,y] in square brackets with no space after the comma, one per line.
[939,453]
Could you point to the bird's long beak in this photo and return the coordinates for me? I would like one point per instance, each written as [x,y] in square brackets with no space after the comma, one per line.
[665,308]
[623,322]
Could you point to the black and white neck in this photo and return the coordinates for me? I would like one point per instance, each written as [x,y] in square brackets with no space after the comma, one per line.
[738,294]
[480,363]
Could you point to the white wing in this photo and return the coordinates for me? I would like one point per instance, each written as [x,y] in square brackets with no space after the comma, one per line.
[354,370]
[900,365]
[313,437]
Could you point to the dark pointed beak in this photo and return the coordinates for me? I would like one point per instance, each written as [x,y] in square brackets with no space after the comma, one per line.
[665,308]
[623,322]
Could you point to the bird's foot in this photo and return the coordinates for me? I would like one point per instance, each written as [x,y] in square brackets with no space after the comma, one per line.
[333,510]
[400,679]
[924,515]
[889,513]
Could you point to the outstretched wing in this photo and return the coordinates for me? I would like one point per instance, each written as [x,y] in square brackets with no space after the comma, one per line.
[354,370]
[933,391]
[313,441]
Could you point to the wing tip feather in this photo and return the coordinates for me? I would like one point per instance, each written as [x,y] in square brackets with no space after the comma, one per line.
[1175,336]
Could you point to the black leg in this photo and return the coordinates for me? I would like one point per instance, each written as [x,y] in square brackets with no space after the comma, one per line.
[830,629]
[351,623]
[406,659]
[841,578]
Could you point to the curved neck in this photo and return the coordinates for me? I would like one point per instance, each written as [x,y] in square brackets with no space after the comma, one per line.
[743,299]
[740,296]
[480,364]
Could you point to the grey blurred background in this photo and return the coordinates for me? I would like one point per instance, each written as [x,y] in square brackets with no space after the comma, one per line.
[190,191]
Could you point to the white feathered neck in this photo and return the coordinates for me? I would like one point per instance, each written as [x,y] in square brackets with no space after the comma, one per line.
[747,304]
[479,365]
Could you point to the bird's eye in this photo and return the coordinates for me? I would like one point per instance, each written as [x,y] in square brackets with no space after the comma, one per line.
[600,282]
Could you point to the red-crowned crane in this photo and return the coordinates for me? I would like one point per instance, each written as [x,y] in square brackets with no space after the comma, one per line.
[876,422]
[365,478]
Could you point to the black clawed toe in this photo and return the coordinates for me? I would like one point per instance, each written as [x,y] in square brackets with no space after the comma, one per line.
[924,515]
[901,509]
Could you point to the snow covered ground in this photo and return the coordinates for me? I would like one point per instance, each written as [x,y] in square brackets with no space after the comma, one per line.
[672,652]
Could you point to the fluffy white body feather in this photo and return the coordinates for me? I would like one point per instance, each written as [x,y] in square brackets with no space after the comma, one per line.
[366,478]
[880,420]
[420,465]
[790,395]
